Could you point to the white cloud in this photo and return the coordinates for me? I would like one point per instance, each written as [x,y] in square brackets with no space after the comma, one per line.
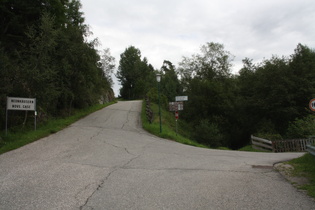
[170,29]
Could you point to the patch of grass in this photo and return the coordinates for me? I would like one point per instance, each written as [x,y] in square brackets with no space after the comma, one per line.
[249,148]
[223,148]
[19,138]
[305,167]
[168,126]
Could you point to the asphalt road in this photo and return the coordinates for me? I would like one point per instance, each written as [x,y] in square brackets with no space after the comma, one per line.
[106,161]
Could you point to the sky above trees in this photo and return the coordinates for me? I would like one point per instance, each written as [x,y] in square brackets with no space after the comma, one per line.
[168,30]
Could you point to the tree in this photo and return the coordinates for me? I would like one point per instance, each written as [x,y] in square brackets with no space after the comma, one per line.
[39,74]
[127,72]
[135,75]
[18,15]
[44,54]
[170,85]
[302,71]
[107,64]
[206,79]
[265,96]
[276,91]
[213,63]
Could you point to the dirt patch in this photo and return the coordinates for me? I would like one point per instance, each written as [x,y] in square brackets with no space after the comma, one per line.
[286,170]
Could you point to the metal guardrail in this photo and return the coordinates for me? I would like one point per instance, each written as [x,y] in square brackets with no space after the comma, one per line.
[311,149]
[261,144]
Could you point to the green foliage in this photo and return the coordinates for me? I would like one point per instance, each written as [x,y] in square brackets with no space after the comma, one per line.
[266,129]
[270,136]
[210,88]
[135,75]
[276,92]
[302,128]
[154,97]
[208,133]
[249,148]
[168,126]
[44,55]
[263,99]
[213,63]
[170,85]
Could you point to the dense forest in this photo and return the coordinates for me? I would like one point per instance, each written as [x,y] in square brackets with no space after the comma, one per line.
[44,54]
[269,99]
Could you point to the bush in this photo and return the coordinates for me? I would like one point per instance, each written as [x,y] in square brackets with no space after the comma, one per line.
[154,97]
[208,133]
[269,136]
[266,130]
[302,128]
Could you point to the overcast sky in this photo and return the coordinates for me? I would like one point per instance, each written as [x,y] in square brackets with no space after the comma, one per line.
[170,29]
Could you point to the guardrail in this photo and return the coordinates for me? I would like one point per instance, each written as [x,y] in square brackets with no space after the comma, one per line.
[261,144]
[291,145]
[311,149]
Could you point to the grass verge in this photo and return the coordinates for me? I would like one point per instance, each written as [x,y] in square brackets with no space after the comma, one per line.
[168,126]
[16,139]
[249,148]
[305,167]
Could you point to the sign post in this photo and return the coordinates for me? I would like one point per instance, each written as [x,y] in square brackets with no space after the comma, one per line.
[176,118]
[20,104]
[177,106]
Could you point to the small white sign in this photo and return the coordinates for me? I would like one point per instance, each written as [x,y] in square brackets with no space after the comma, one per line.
[27,104]
[181,98]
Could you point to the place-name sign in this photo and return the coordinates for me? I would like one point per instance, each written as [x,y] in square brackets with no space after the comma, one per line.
[28,104]
[181,98]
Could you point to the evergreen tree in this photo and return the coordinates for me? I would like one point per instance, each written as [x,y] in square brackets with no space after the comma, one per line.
[170,85]
[44,54]
[135,75]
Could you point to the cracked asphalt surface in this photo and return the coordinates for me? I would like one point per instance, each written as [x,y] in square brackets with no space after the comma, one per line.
[107,161]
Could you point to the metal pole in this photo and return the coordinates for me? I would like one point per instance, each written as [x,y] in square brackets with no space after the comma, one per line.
[6,118]
[6,122]
[160,108]
[176,127]
[35,113]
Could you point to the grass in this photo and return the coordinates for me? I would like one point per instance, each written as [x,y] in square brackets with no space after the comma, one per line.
[249,148]
[21,137]
[168,126]
[305,167]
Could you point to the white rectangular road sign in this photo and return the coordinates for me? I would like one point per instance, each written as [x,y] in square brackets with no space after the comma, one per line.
[27,104]
[181,98]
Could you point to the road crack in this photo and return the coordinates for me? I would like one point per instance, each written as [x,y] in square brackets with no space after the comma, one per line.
[101,184]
